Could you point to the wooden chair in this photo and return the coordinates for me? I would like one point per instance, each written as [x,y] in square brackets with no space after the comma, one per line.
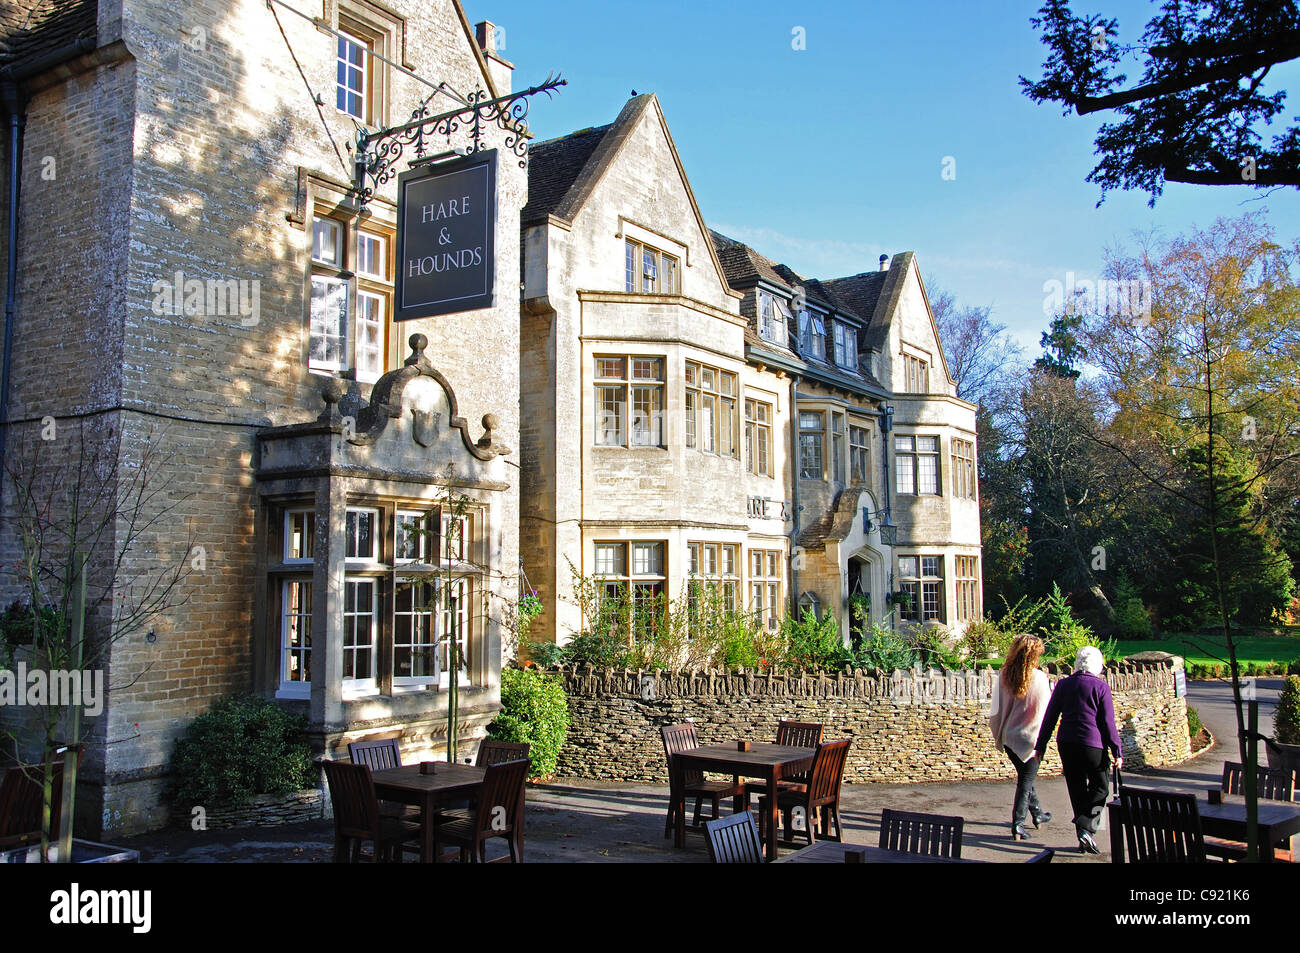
[819,799]
[499,752]
[357,818]
[1042,857]
[734,840]
[21,801]
[934,835]
[1274,785]
[690,783]
[376,755]
[498,813]
[383,755]
[796,734]
[1161,827]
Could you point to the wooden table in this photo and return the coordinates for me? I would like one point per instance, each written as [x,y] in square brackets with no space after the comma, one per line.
[408,786]
[831,852]
[768,762]
[1278,820]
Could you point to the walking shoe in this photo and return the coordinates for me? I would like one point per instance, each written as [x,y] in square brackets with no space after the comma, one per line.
[1042,817]
[1018,832]
[1087,845]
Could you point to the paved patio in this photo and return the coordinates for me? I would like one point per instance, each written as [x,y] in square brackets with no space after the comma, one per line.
[591,821]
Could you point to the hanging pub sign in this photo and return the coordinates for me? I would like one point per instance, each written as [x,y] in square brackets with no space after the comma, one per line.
[446,221]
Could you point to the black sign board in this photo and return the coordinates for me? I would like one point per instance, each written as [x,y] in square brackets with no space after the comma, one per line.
[446,222]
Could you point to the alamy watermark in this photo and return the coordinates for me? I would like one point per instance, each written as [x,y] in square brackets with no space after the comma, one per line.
[211,298]
[38,688]
[1114,298]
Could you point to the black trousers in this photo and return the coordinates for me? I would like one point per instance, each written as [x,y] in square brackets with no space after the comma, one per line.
[1087,777]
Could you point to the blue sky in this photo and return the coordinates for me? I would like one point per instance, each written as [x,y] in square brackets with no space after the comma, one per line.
[825,158]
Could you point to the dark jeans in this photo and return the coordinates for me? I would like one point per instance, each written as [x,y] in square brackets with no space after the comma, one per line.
[1087,777]
[1026,802]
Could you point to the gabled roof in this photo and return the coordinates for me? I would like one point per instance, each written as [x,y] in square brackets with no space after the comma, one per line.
[553,168]
[861,295]
[745,267]
[572,166]
[29,31]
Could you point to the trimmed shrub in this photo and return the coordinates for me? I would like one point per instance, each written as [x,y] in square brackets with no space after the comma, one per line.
[243,747]
[1286,718]
[535,711]
[1194,724]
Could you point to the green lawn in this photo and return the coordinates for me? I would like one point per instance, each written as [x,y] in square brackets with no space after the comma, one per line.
[1197,649]
[1276,649]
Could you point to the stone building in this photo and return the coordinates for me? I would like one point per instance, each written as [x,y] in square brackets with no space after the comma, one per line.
[884,481]
[195,279]
[693,409]
[650,445]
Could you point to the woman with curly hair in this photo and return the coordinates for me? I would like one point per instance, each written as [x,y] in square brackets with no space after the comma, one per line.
[1020,699]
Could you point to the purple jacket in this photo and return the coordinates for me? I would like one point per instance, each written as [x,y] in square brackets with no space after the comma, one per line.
[1083,704]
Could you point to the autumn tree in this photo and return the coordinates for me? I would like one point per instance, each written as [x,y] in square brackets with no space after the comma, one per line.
[1208,403]
[1201,109]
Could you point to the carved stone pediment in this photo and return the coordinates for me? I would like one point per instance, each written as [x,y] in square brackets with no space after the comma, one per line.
[417,388]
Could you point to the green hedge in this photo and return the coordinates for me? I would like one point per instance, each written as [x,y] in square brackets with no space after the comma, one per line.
[243,747]
[535,711]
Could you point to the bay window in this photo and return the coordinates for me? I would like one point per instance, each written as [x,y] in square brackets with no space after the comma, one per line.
[635,380]
[712,425]
[632,579]
[811,431]
[916,465]
[922,580]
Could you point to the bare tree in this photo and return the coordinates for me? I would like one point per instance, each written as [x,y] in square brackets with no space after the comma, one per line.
[979,353]
[85,526]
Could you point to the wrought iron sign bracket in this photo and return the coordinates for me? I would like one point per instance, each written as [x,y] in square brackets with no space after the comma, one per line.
[377,153]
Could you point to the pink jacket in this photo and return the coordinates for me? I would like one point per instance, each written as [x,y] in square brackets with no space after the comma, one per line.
[1015,721]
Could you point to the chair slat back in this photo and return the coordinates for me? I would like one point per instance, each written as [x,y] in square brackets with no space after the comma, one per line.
[799,734]
[679,738]
[734,840]
[352,792]
[1274,783]
[376,755]
[934,835]
[828,770]
[1161,827]
[499,752]
[22,796]
[499,800]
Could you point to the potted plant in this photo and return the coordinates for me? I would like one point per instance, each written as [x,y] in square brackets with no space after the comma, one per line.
[1284,749]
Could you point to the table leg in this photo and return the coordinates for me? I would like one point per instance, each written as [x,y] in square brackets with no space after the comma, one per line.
[1115,819]
[1265,844]
[773,812]
[426,830]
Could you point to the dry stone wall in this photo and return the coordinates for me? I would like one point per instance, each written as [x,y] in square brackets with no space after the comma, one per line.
[909,726]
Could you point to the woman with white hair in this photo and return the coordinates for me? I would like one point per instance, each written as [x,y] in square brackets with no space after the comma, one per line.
[1083,704]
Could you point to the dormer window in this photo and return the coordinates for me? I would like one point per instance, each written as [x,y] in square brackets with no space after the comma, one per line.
[846,346]
[772,316]
[812,335]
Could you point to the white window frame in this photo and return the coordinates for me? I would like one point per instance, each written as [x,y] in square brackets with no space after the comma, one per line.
[375,370]
[320,329]
[344,90]
[375,514]
[322,226]
[367,685]
[295,688]
[308,533]
[379,242]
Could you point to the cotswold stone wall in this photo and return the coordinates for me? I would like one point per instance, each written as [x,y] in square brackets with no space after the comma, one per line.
[906,727]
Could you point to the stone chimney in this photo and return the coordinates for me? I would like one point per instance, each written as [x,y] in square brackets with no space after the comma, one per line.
[884,262]
[491,40]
